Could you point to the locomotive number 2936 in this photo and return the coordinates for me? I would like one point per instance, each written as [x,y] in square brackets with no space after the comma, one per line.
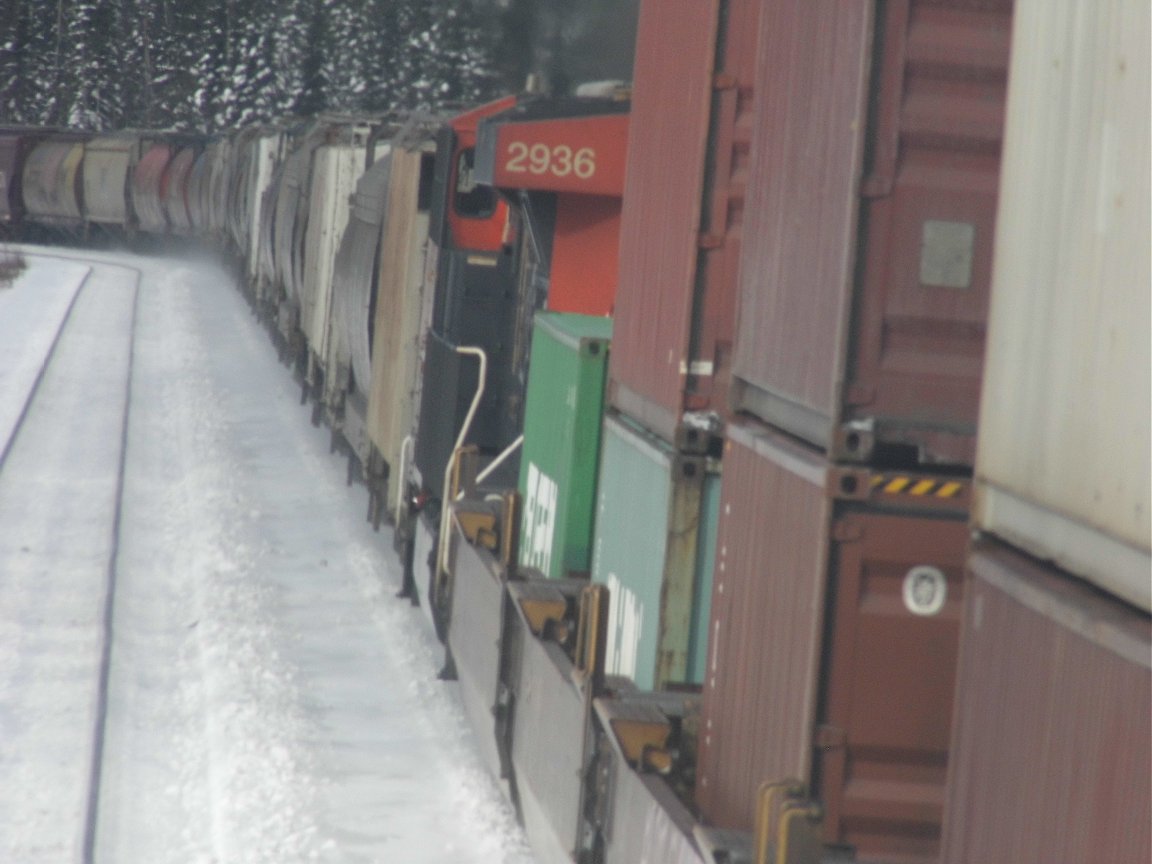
[559,160]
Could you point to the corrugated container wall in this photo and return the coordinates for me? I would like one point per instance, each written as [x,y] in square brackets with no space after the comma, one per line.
[1051,751]
[833,643]
[561,452]
[654,546]
[683,210]
[871,202]
[1063,468]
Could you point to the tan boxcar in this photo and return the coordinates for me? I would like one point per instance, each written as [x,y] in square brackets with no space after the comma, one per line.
[1063,468]
[867,251]
[832,645]
[401,317]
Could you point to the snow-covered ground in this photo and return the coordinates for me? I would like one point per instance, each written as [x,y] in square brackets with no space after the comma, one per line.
[270,700]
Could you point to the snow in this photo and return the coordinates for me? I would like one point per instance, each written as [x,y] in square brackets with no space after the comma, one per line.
[270,699]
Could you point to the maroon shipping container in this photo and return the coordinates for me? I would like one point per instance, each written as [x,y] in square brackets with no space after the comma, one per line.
[1051,752]
[683,209]
[871,207]
[833,642]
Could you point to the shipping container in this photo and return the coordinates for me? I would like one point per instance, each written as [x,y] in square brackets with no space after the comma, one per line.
[1051,747]
[175,189]
[53,181]
[833,642]
[108,165]
[656,517]
[683,211]
[401,317]
[871,209]
[561,450]
[561,163]
[150,187]
[1063,466]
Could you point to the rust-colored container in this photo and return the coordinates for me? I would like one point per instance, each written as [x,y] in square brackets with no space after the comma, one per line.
[872,202]
[683,210]
[1051,749]
[150,187]
[175,191]
[833,641]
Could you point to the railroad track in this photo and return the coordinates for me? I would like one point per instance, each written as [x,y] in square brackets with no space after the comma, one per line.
[63,448]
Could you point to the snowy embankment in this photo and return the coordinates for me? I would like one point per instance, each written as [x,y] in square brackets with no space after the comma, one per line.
[270,700]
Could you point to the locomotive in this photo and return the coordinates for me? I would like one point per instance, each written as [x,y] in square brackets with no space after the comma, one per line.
[671,394]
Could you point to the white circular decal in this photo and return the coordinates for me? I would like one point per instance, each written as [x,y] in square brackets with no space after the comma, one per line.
[925,590]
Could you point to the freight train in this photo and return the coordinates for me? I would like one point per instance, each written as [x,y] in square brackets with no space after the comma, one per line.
[670,395]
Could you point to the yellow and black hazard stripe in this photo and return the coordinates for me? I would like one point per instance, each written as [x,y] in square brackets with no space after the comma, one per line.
[919,486]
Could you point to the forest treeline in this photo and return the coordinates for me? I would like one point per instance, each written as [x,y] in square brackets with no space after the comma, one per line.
[206,65]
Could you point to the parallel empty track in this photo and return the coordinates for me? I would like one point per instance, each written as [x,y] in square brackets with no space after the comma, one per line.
[60,502]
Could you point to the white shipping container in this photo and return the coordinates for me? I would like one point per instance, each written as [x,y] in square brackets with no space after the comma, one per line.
[1063,454]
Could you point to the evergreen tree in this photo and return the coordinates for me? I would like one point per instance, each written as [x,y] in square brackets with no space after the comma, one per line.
[217,64]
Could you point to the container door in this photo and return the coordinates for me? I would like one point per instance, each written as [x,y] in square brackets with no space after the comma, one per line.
[893,633]
[927,223]
[660,220]
[879,136]
[646,551]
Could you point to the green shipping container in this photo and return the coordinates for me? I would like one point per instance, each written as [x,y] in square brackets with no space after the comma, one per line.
[656,518]
[562,419]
